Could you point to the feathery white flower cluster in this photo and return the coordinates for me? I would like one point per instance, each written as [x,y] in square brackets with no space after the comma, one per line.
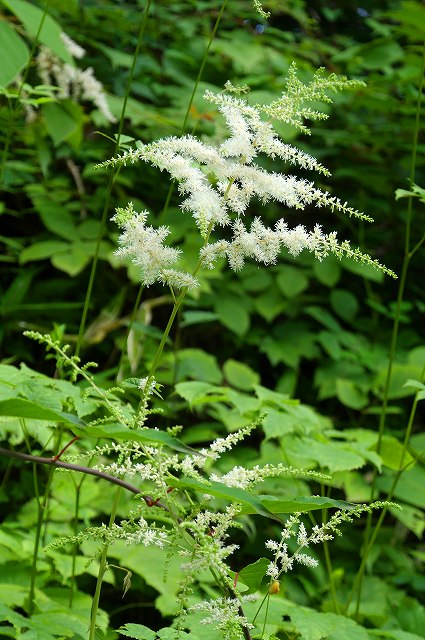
[226,615]
[144,245]
[210,532]
[283,561]
[219,184]
[141,532]
[73,82]
[248,478]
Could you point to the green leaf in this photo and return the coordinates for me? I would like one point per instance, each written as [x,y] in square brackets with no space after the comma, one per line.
[411,517]
[401,372]
[270,304]
[60,122]
[291,281]
[415,384]
[55,218]
[49,35]
[239,375]
[197,364]
[345,304]
[289,342]
[14,54]
[196,393]
[232,315]
[410,485]
[123,434]
[334,456]
[233,494]
[351,394]
[277,424]
[393,454]
[72,261]
[328,272]
[42,250]
[21,408]
[253,574]
[364,270]
[303,503]
[313,625]
[197,317]
[138,631]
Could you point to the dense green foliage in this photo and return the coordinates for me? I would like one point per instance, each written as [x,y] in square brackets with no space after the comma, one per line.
[307,344]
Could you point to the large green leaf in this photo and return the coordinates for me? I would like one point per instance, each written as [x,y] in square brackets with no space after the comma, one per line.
[62,120]
[313,625]
[303,503]
[137,631]
[32,17]
[239,375]
[291,281]
[42,250]
[232,314]
[124,434]
[21,408]
[197,393]
[253,574]
[250,503]
[14,54]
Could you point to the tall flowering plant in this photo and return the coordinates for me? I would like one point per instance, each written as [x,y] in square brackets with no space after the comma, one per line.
[218,184]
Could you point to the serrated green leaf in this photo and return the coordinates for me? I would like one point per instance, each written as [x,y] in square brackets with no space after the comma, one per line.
[393,453]
[303,503]
[253,574]
[123,434]
[234,494]
[138,631]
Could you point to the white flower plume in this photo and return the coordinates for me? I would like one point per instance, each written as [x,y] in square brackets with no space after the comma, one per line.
[218,183]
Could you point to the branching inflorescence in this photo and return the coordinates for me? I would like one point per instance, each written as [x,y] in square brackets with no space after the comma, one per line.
[219,183]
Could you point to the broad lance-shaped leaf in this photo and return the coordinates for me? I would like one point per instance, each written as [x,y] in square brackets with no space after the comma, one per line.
[302,503]
[22,408]
[122,434]
[250,503]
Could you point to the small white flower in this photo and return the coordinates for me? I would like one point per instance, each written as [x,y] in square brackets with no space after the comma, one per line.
[72,47]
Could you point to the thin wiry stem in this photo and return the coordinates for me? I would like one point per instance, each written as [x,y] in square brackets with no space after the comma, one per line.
[408,253]
[112,178]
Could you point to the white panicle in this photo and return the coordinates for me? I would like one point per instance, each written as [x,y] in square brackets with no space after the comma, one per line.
[219,184]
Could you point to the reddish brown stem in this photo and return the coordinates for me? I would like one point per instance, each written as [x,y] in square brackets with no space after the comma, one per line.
[64,449]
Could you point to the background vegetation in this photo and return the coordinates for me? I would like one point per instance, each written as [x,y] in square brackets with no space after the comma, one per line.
[318,333]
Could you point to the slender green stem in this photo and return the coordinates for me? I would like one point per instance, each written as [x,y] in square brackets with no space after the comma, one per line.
[41,509]
[394,336]
[112,179]
[183,128]
[383,513]
[74,546]
[102,569]
[204,60]
[328,562]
